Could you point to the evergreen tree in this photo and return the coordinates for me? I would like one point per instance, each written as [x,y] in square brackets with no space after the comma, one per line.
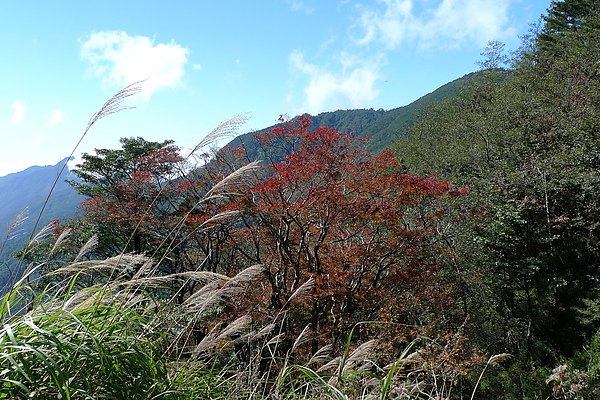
[527,145]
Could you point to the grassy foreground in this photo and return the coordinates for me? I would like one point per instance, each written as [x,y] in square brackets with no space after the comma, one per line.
[118,329]
[120,340]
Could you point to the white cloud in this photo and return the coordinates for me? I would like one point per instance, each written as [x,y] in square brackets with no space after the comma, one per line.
[197,67]
[327,43]
[57,117]
[390,25]
[443,23]
[119,60]
[19,109]
[353,87]
[39,140]
[300,6]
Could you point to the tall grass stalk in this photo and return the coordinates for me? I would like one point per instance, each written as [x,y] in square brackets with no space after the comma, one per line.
[127,335]
[105,341]
[493,360]
[111,106]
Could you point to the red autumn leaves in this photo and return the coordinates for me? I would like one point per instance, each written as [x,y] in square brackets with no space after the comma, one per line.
[322,209]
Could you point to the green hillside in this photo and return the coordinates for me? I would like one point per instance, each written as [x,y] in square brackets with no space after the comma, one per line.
[382,127]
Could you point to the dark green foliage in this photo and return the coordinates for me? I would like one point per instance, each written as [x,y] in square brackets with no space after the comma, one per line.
[569,19]
[526,142]
[109,177]
[520,380]
[99,172]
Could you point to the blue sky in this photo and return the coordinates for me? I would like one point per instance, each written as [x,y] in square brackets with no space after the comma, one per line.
[207,61]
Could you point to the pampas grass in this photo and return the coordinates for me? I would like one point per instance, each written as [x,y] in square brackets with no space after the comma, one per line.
[131,333]
[111,106]
[105,341]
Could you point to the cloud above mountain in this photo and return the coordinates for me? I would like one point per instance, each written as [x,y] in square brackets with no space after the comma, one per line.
[119,59]
[19,109]
[445,23]
[351,74]
[350,87]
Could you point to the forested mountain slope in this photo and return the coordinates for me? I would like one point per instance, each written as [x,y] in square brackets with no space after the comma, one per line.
[22,196]
[380,126]
[528,147]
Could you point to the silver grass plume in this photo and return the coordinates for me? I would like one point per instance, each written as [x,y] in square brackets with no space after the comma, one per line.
[43,233]
[220,216]
[360,354]
[147,269]
[203,293]
[236,328]
[276,339]
[203,277]
[15,224]
[81,297]
[123,263]
[203,300]
[302,338]
[498,358]
[333,363]
[61,238]
[110,294]
[220,288]
[265,331]
[225,129]
[302,290]
[415,358]
[234,179]
[89,246]
[115,103]
[246,275]
[207,343]
[322,355]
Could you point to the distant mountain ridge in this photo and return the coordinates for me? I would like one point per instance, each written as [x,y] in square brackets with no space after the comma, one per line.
[22,196]
[382,127]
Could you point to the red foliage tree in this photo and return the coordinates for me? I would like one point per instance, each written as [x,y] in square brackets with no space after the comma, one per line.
[357,225]
[327,218]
